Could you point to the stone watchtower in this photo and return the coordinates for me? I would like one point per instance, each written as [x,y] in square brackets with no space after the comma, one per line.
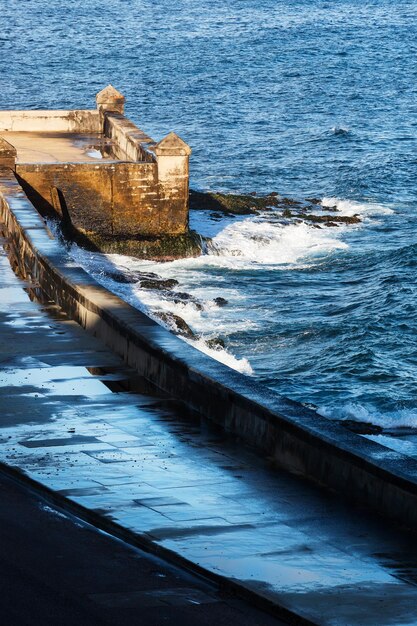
[113,187]
[109,99]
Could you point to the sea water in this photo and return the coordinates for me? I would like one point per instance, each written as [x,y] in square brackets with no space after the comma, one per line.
[305,98]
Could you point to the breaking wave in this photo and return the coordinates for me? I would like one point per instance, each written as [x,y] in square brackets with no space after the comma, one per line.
[268,243]
[401,418]
[352,207]
[238,246]
[109,269]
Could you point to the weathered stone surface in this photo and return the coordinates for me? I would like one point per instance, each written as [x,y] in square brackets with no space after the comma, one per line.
[172,145]
[109,99]
[176,323]
[76,121]
[7,154]
[165,248]
[238,204]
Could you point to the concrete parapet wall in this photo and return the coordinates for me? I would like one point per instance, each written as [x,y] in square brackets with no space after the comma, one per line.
[294,437]
[129,140]
[77,121]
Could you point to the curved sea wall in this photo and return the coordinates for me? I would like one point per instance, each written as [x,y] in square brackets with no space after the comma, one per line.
[291,435]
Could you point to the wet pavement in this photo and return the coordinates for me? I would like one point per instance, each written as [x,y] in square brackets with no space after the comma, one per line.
[56,569]
[43,147]
[147,463]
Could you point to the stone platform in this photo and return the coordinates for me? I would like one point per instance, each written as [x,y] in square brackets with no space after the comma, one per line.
[61,147]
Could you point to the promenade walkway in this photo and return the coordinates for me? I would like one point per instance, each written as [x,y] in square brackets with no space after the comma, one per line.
[141,460]
[56,570]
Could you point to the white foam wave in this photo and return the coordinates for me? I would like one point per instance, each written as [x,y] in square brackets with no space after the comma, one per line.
[272,243]
[398,444]
[402,418]
[352,207]
[151,303]
[238,243]
[223,356]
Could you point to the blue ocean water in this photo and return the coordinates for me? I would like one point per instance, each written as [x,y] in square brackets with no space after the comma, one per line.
[306,98]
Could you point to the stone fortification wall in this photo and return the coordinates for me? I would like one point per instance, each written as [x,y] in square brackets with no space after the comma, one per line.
[291,435]
[141,193]
[109,198]
[77,121]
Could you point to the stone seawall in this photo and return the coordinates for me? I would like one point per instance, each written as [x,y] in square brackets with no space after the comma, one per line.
[292,436]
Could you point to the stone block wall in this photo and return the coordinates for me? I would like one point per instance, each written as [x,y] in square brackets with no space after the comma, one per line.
[143,192]
[116,198]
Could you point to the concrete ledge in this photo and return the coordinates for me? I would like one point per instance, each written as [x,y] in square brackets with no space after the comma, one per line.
[294,437]
[77,121]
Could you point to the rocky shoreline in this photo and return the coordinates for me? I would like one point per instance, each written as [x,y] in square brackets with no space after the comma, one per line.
[166,289]
[310,210]
[190,244]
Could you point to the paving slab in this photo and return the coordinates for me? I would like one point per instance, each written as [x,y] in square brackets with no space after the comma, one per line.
[148,464]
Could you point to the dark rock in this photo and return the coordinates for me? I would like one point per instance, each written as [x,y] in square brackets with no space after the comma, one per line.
[273,194]
[362,428]
[169,283]
[288,202]
[313,200]
[229,203]
[216,343]
[151,275]
[183,295]
[177,324]
[323,219]
[180,297]
[221,301]
[131,278]
[124,279]
[332,225]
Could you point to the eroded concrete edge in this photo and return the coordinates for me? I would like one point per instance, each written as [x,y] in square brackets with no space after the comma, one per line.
[294,437]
